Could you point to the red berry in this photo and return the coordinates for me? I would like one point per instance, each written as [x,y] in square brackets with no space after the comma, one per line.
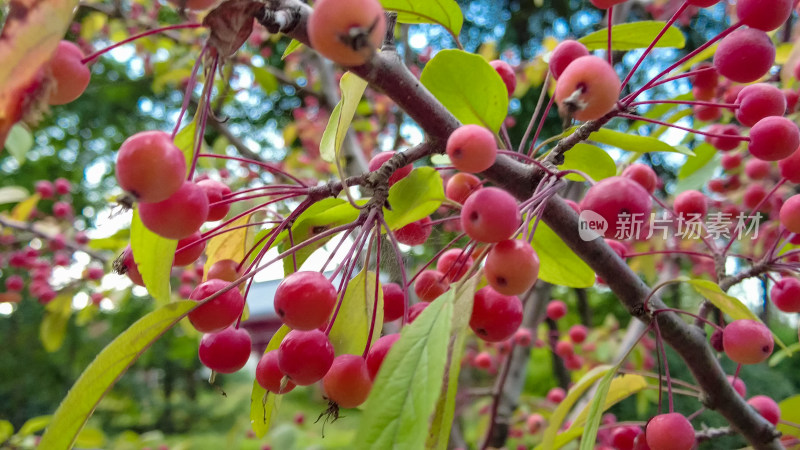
[177,217]
[745,55]
[150,166]
[377,161]
[430,284]
[722,143]
[347,382]
[670,431]
[45,189]
[689,204]
[747,341]
[790,214]
[454,264]
[63,186]
[534,423]
[347,31]
[774,138]
[623,438]
[507,74]
[756,169]
[758,101]
[218,313]
[564,53]
[62,210]
[642,174]
[460,186]
[556,395]
[556,309]
[14,283]
[305,356]
[416,309]
[767,407]
[189,249]
[215,191]
[757,14]
[790,167]
[378,352]
[564,349]
[471,148]
[269,375]
[577,333]
[785,294]
[618,200]
[588,88]
[394,301]
[224,269]
[70,74]
[130,268]
[305,300]
[226,351]
[490,215]
[415,233]
[512,267]
[738,385]
[495,317]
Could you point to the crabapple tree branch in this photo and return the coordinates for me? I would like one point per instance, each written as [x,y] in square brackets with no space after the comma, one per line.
[387,73]
[29,228]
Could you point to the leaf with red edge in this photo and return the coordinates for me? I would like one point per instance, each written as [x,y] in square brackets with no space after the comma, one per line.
[31,34]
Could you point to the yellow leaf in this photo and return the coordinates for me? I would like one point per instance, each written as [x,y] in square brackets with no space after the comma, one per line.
[228,245]
[621,388]
[23,210]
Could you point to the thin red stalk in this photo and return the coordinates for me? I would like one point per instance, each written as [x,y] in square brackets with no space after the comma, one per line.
[335,250]
[758,206]
[525,158]
[208,235]
[687,102]
[188,93]
[689,56]
[541,124]
[610,29]
[347,259]
[680,311]
[264,165]
[669,252]
[259,188]
[496,395]
[291,244]
[200,132]
[694,415]
[652,45]
[690,73]
[377,286]
[666,368]
[248,211]
[446,219]
[690,130]
[294,192]
[289,220]
[436,256]
[139,36]
[535,114]
[399,257]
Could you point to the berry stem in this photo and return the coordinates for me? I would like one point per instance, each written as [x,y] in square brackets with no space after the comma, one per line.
[755,210]
[336,250]
[435,257]
[377,286]
[139,36]
[188,93]
[535,114]
[534,148]
[680,311]
[686,102]
[652,45]
[610,26]
[400,263]
[268,167]
[669,252]
[690,130]
[663,353]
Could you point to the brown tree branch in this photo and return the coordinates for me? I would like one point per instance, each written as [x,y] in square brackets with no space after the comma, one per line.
[387,73]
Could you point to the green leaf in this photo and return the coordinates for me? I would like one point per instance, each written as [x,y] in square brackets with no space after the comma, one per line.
[12,194]
[351,328]
[635,143]
[291,48]
[34,425]
[563,408]
[595,412]
[703,154]
[446,13]
[589,159]
[19,142]
[790,412]
[633,35]
[727,304]
[352,88]
[779,356]
[407,386]
[265,79]
[672,118]
[558,264]
[263,403]
[6,430]
[153,255]
[468,87]
[53,328]
[184,140]
[416,196]
[105,370]
[442,421]
[90,438]
[610,391]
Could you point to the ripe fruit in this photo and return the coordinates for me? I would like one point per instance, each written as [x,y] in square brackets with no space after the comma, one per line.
[347,31]
[506,73]
[605,4]
[179,216]
[62,210]
[305,356]
[512,267]
[747,341]
[218,313]
[767,407]
[790,214]
[690,203]
[415,233]
[226,351]
[564,53]
[623,438]
[394,301]
[722,143]
[454,264]
[706,80]
[738,385]
[670,431]
[495,317]
[564,349]
[588,88]
[377,161]
[128,266]
[45,189]
[471,148]
[15,283]
[430,284]
[215,191]
[756,13]
[224,269]
[790,167]
[63,186]
[490,215]
[773,138]
[556,395]
[745,55]
[707,113]
[753,195]
[415,310]
[642,174]
[756,169]
[150,166]
[556,309]
[189,249]
[785,294]
[577,333]
[71,76]
[534,423]
[379,350]
[305,300]
[620,201]
[757,101]
[269,375]
[347,382]
[460,186]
